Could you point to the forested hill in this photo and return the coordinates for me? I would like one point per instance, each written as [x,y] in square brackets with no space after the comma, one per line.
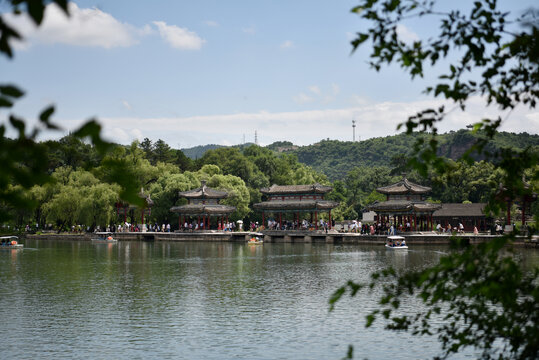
[336,158]
[199,151]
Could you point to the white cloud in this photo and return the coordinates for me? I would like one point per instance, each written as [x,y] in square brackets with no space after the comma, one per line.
[302,98]
[83,27]
[315,89]
[305,127]
[136,134]
[211,23]
[317,95]
[406,35]
[116,134]
[250,30]
[358,100]
[179,38]
[95,28]
[126,104]
[288,44]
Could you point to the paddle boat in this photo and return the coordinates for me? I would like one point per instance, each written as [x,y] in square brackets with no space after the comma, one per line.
[395,242]
[10,242]
[255,241]
[104,237]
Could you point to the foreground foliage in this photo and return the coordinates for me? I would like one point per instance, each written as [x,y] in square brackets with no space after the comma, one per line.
[489,301]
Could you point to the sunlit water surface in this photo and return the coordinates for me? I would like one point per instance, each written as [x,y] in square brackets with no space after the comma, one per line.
[134,300]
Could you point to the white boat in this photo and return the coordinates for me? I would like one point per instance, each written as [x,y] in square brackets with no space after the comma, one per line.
[395,242]
[104,237]
[10,242]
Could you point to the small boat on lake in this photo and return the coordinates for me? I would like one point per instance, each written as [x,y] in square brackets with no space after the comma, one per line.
[103,237]
[10,242]
[255,241]
[395,242]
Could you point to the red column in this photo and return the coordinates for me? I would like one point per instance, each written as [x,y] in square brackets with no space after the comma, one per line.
[316,220]
[280,221]
[329,225]
[198,221]
[415,222]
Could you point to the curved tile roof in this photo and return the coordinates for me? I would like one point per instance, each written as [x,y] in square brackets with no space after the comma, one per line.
[403,205]
[460,209]
[288,205]
[201,209]
[404,187]
[296,189]
[204,192]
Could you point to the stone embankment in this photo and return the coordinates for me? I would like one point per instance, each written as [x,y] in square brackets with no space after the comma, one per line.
[276,236]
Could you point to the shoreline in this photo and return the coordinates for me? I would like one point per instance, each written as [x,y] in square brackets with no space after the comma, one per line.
[277,236]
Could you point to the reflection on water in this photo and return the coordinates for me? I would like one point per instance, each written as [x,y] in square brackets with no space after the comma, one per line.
[198,301]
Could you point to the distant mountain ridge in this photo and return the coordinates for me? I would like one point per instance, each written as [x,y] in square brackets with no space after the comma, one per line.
[336,158]
[197,152]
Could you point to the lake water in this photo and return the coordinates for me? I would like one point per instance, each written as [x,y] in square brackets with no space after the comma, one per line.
[163,300]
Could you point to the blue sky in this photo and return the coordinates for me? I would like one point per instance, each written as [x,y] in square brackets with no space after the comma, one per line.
[199,72]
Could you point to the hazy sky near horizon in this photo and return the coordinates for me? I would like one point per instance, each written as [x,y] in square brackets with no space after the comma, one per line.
[201,72]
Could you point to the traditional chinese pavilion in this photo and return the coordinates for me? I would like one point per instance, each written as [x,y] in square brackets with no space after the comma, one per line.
[296,199]
[523,198]
[469,215]
[203,203]
[405,202]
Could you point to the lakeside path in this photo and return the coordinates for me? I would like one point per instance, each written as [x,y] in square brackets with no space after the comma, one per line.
[282,237]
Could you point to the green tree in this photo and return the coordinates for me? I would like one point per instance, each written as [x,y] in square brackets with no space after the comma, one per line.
[476,182]
[78,198]
[63,209]
[165,193]
[238,193]
[24,161]
[163,152]
[486,300]
[183,162]
[147,146]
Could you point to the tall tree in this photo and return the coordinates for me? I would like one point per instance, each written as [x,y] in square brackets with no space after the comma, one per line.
[147,146]
[162,152]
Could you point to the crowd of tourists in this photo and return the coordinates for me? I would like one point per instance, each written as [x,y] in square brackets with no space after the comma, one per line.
[352,226]
[196,226]
[273,224]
